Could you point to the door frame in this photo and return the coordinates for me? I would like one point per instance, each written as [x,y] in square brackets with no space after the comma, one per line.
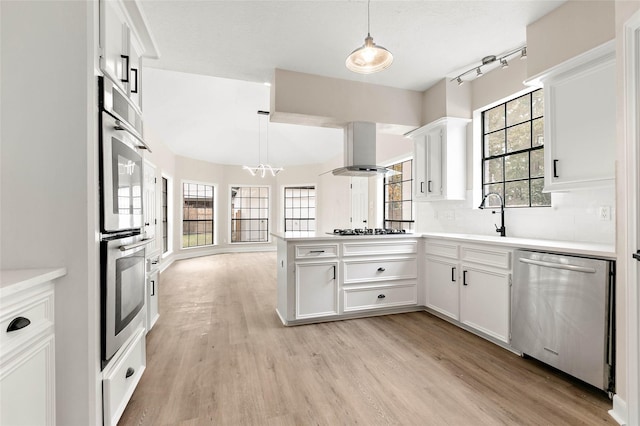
[629,245]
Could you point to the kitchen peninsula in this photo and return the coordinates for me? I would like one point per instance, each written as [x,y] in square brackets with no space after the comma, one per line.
[325,277]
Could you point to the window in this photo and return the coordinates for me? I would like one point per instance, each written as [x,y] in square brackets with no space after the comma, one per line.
[300,208]
[165,212]
[197,215]
[249,214]
[398,204]
[513,152]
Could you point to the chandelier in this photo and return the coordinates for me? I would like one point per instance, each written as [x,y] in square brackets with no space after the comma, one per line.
[263,168]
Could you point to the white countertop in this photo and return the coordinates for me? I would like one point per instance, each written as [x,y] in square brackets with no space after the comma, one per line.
[606,251]
[13,280]
[306,235]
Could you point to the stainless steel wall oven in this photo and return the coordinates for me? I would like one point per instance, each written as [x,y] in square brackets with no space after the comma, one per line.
[122,246]
[122,290]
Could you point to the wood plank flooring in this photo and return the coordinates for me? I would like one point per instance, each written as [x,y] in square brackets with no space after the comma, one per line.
[219,355]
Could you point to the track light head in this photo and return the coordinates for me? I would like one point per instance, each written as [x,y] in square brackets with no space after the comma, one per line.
[503,63]
[523,54]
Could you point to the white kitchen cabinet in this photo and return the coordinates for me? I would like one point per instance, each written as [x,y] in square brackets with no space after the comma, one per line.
[27,350]
[153,286]
[443,291]
[121,376]
[316,289]
[484,300]
[149,206]
[121,49]
[379,275]
[440,164]
[580,121]
[333,278]
[470,284]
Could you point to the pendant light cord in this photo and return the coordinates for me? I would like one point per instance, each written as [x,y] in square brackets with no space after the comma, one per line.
[368,17]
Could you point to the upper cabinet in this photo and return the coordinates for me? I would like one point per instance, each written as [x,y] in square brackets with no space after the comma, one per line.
[580,121]
[124,40]
[440,165]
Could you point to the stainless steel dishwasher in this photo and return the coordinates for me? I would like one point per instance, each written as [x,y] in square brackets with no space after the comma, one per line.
[562,314]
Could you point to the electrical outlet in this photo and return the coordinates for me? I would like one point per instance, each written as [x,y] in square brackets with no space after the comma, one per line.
[604,212]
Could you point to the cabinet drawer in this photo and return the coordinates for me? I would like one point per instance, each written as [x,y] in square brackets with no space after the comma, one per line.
[356,271]
[379,247]
[441,248]
[488,256]
[37,308]
[357,299]
[117,388]
[316,251]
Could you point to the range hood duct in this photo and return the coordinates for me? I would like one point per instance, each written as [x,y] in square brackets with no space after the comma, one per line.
[360,151]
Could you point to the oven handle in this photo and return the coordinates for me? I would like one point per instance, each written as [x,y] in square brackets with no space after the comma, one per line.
[122,126]
[135,245]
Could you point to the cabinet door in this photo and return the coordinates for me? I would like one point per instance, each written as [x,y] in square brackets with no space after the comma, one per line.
[420,167]
[484,301]
[149,206]
[580,128]
[153,284]
[316,289]
[135,71]
[114,39]
[434,149]
[442,286]
[27,386]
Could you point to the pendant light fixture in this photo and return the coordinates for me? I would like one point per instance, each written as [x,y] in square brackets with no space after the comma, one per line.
[369,58]
[261,169]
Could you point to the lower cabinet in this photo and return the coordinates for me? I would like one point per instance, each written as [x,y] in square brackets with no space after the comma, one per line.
[316,289]
[484,301]
[379,297]
[27,354]
[121,376]
[153,284]
[442,288]
[470,284]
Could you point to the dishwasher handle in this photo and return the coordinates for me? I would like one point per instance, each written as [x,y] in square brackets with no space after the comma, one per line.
[568,267]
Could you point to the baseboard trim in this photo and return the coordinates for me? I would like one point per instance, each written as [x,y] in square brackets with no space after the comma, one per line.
[619,410]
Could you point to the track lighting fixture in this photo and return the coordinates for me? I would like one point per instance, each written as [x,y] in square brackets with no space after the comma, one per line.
[488,62]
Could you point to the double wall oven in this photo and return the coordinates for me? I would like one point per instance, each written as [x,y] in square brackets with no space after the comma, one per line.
[122,245]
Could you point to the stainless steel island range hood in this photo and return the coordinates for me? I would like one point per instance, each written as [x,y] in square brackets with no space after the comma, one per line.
[360,151]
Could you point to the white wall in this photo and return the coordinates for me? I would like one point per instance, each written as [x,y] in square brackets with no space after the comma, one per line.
[49,179]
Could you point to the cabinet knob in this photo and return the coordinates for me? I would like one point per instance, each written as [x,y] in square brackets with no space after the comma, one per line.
[381,296]
[381,269]
[18,323]
[130,372]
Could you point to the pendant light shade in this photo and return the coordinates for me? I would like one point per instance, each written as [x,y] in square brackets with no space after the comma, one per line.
[369,58]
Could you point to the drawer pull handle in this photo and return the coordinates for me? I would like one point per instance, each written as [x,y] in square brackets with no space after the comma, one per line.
[18,324]
[130,372]
[464,278]
[381,296]
[381,269]
[316,251]
[453,274]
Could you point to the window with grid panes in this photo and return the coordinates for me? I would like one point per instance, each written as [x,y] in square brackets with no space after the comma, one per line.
[398,202]
[513,152]
[249,214]
[300,208]
[197,215]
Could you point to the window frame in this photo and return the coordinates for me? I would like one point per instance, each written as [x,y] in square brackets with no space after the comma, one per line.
[308,219]
[492,202]
[268,218]
[385,183]
[213,214]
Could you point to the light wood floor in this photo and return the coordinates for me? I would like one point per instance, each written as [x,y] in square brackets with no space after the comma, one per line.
[219,355]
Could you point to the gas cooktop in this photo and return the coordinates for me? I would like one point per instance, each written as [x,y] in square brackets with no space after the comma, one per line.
[368,231]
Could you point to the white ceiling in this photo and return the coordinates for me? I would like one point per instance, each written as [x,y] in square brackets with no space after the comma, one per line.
[216,118]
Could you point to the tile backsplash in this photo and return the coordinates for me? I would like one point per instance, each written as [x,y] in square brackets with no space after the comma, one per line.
[585,216]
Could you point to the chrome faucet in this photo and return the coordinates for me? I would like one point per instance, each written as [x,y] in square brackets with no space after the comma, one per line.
[502,230]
